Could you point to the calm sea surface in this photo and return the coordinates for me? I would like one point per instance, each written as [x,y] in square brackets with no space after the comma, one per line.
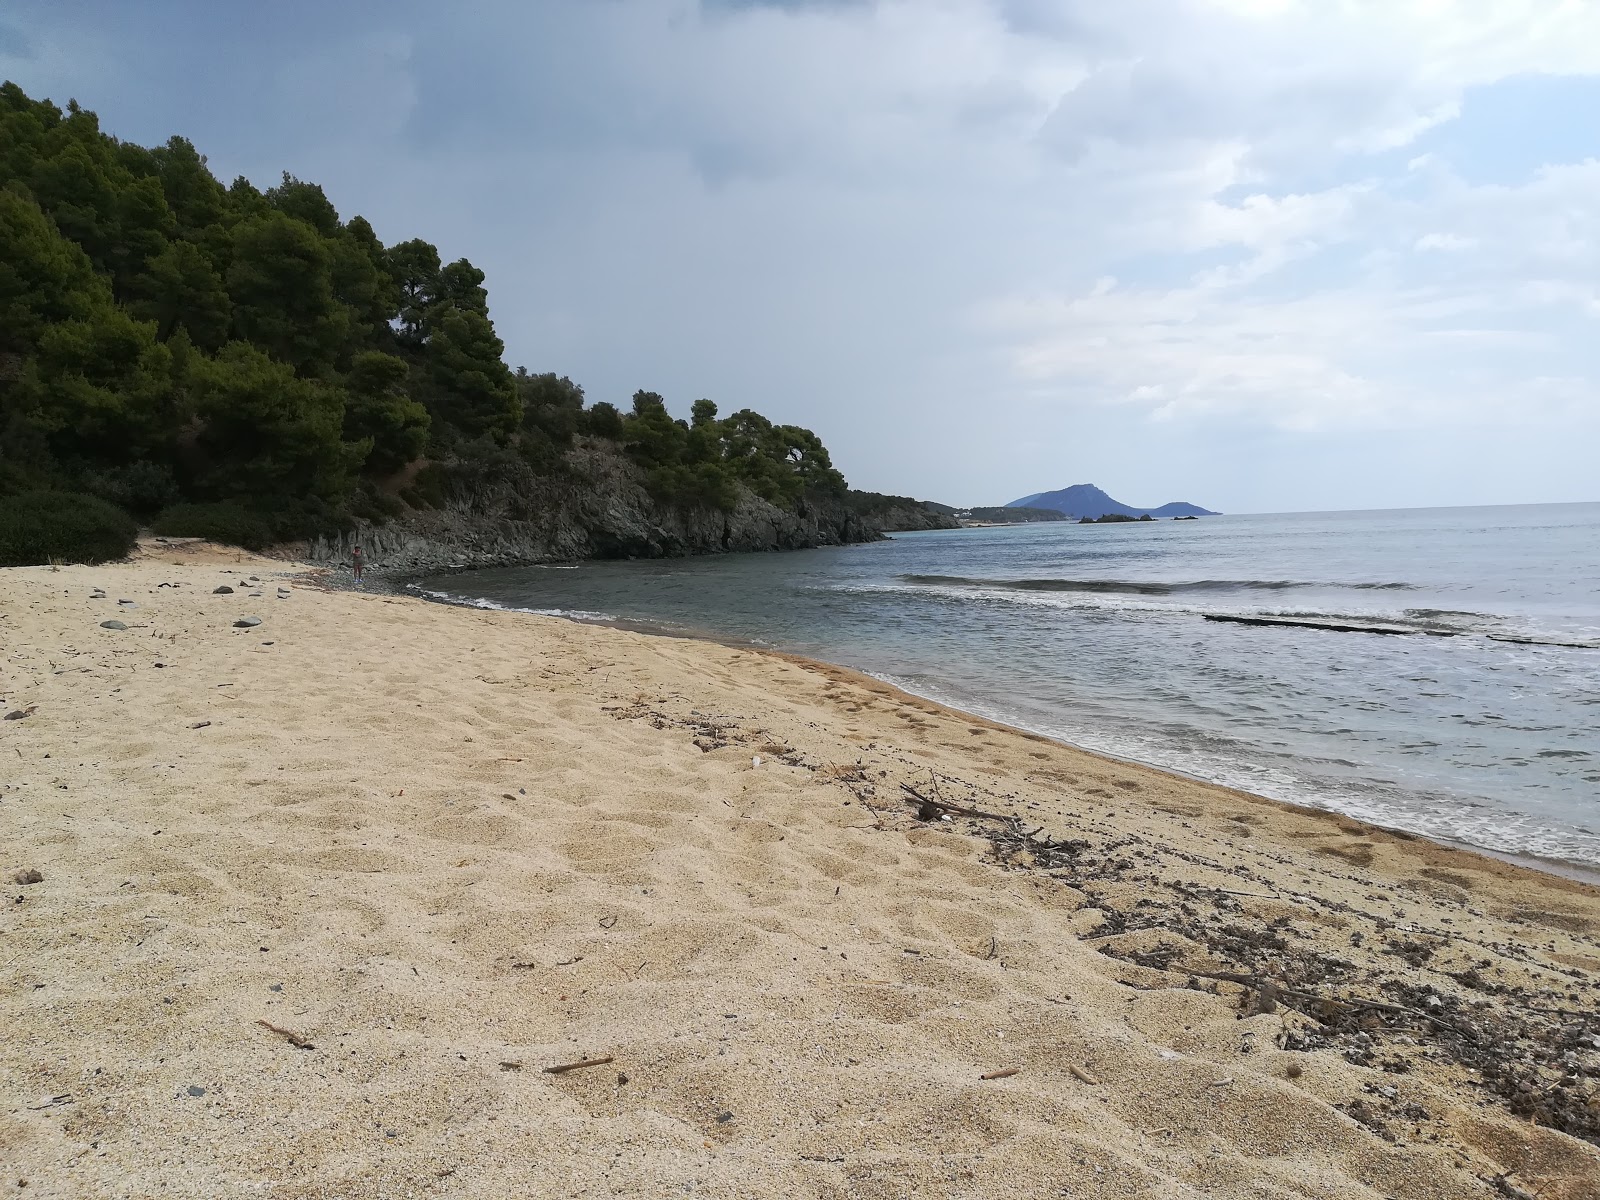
[1097,634]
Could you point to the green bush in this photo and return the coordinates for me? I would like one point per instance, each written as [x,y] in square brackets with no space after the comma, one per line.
[38,527]
[427,489]
[377,507]
[230,524]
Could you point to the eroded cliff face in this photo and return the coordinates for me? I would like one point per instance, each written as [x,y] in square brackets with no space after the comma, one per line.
[600,509]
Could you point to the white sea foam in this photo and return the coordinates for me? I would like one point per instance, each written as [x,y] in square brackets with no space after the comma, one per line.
[571,614]
[1442,818]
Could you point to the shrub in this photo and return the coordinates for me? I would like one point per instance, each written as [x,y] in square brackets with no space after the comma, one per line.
[142,488]
[602,421]
[230,524]
[427,489]
[374,506]
[38,527]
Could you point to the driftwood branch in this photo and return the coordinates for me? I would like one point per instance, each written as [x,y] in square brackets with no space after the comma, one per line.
[294,1039]
[563,1068]
[1266,987]
[938,806]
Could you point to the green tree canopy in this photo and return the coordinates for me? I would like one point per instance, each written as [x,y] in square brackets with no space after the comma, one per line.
[281,284]
[241,358]
[379,410]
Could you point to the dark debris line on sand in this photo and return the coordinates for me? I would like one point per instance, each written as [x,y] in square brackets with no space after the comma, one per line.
[1537,1052]
[1534,1051]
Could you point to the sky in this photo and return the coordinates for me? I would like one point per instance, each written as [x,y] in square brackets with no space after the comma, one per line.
[1261,255]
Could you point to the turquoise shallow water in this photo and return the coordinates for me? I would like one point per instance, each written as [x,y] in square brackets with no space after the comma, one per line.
[1486,733]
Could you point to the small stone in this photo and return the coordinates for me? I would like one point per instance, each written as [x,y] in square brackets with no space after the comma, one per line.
[247,622]
[112,625]
[224,590]
[28,875]
[196,1090]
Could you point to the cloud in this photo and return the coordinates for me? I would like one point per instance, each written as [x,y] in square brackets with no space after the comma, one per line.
[13,43]
[963,239]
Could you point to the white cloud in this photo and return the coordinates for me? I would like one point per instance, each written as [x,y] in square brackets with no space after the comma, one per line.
[1098,224]
[1449,243]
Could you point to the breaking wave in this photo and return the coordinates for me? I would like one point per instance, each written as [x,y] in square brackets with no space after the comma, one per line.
[1135,587]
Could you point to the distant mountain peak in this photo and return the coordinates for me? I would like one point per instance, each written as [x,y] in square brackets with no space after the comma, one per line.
[1086,500]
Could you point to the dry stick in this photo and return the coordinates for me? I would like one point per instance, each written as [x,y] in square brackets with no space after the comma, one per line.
[958,809]
[1005,1074]
[1082,1074]
[1251,981]
[295,1040]
[563,1068]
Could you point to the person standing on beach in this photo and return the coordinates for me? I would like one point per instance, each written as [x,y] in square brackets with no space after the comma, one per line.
[356,563]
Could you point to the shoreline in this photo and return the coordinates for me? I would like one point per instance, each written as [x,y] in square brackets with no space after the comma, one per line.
[322,899]
[1579,872]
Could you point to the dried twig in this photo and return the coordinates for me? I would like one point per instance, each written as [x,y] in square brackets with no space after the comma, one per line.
[946,806]
[1005,1074]
[295,1040]
[1079,1073]
[1274,990]
[563,1068]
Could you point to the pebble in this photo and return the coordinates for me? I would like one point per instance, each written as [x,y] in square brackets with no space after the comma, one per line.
[112,625]
[28,875]
[247,622]
[224,590]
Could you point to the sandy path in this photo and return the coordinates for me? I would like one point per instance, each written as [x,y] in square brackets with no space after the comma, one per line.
[448,848]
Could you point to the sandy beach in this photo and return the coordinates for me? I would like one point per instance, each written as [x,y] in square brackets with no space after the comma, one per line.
[316,903]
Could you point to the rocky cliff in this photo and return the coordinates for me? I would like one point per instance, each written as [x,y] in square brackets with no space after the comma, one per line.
[598,507]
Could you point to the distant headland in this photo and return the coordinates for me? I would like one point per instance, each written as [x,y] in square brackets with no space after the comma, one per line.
[1085,500]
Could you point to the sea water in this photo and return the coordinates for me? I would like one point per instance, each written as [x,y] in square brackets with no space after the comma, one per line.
[1480,723]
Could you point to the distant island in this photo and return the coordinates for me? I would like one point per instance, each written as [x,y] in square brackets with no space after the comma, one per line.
[1085,500]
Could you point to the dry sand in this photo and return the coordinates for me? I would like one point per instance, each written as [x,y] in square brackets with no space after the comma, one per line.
[446,849]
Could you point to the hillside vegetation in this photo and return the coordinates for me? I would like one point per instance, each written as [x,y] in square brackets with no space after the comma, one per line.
[247,364]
